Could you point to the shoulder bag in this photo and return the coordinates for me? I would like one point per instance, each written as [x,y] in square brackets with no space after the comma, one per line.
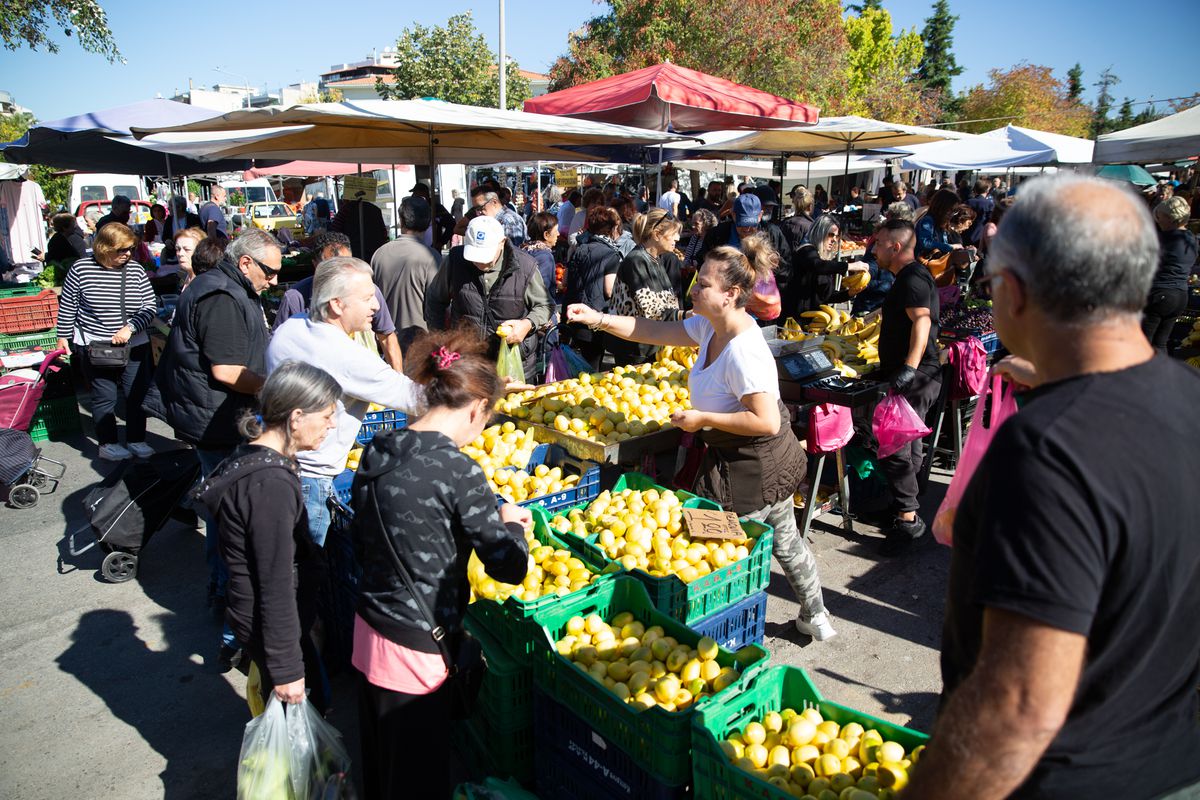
[465,664]
[107,354]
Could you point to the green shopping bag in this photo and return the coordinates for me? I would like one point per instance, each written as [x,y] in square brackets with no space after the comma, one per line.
[509,363]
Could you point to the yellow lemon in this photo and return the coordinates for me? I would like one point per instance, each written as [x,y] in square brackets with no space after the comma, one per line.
[754,733]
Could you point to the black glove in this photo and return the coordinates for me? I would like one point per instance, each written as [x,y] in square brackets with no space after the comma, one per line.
[903,379]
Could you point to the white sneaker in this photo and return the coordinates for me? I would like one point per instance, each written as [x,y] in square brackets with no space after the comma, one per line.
[114,452]
[141,450]
[819,627]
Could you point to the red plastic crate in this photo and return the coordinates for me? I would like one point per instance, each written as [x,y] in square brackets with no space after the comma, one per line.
[29,313]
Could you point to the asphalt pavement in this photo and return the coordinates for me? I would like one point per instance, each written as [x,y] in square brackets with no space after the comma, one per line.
[111,690]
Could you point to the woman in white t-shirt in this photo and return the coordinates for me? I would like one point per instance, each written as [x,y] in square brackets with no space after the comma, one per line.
[754,463]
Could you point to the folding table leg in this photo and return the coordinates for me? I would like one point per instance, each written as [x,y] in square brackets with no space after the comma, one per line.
[844,493]
[810,502]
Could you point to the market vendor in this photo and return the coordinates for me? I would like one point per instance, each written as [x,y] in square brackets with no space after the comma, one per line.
[815,267]
[343,304]
[908,360]
[754,463]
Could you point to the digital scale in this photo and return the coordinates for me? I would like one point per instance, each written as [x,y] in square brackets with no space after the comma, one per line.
[810,377]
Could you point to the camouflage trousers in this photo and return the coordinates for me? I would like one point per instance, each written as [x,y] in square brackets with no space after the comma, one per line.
[793,555]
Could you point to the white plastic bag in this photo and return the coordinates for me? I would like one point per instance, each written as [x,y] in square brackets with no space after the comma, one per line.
[290,753]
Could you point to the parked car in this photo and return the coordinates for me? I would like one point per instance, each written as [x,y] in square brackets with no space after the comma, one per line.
[273,217]
[139,213]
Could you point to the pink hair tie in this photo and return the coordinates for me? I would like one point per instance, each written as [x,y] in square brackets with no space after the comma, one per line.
[445,357]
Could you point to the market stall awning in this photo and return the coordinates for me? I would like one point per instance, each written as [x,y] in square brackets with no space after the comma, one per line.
[1128,173]
[1010,146]
[668,96]
[317,169]
[408,131]
[99,141]
[830,135]
[806,170]
[1171,138]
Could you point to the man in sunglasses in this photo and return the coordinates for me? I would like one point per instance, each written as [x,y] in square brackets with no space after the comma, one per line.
[1070,658]
[214,364]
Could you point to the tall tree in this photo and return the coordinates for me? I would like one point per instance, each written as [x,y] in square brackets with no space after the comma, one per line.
[882,70]
[1125,116]
[1075,83]
[24,23]
[859,8]
[1028,95]
[938,65]
[56,189]
[452,63]
[1104,100]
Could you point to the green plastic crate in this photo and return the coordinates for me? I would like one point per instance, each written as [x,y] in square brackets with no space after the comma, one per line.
[658,741]
[772,689]
[55,419]
[511,622]
[503,718]
[20,291]
[17,343]
[708,594]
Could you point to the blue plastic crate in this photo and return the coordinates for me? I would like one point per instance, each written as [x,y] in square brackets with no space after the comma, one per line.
[341,487]
[740,624]
[386,420]
[554,455]
[573,762]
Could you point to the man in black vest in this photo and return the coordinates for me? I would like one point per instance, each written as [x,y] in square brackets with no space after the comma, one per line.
[213,365]
[490,283]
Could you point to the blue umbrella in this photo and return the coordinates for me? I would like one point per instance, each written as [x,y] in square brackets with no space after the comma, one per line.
[1130,173]
[92,142]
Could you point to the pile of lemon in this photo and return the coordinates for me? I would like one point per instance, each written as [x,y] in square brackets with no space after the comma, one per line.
[501,446]
[354,458]
[643,666]
[813,758]
[606,407]
[552,572]
[644,530]
[517,486]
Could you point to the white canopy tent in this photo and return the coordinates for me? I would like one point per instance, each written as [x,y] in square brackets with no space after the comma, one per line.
[815,169]
[1010,146]
[1172,138]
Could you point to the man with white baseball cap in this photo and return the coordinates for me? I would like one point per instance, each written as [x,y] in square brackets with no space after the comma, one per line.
[490,283]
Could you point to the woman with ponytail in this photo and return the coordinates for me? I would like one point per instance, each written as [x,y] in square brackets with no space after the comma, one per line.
[753,463]
[255,497]
[421,506]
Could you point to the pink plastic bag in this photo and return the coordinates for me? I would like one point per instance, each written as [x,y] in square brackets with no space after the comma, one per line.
[556,367]
[1004,405]
[895,424]
[830,428]
[970,362]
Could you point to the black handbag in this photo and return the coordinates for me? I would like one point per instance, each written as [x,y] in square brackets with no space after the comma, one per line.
[463,656]
[107,354]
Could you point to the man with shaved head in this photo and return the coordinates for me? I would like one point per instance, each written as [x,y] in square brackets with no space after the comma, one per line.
[1070,658]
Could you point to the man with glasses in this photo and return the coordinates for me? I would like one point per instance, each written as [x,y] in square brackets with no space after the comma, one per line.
[213,365]
[908,359]
[1069,648]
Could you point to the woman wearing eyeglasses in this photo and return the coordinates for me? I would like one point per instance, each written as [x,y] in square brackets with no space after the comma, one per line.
[107,299]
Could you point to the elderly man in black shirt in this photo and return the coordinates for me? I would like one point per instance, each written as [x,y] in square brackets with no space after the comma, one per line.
[1070,658]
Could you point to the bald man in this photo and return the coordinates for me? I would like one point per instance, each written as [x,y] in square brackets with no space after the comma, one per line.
[1070,658]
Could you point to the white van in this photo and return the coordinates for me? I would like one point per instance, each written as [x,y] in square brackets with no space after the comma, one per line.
[102,187]
[253,191]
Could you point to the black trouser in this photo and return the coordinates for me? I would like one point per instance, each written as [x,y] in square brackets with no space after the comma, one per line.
[903,467]
[404,742]
[1159,317]
[135,380]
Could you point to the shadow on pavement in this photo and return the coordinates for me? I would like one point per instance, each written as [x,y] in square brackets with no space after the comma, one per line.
[921,707]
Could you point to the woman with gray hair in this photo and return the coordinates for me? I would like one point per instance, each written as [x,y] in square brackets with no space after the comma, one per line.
[814,267]
[1177,259]
[274,568]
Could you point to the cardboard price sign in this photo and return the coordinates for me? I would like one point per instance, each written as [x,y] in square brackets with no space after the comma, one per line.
[359,188]
[566,178]
[702,523]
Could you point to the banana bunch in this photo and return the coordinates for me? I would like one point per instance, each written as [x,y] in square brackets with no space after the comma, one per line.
[856,281]
[826,320]
[856,341]
[791,331]
[677,357]
[1193,336]
[1194,361]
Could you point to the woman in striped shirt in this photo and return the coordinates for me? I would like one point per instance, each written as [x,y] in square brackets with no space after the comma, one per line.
[91,310]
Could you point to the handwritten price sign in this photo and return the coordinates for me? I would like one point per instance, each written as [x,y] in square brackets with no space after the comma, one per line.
[705,524]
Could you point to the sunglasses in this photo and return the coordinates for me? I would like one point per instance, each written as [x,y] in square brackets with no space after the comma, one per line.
[126,251]
[267,271]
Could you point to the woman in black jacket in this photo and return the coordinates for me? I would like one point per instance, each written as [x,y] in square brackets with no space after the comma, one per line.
[423,505]
[643,288]
[66,245]
[273,565]
[814,267]
[1169,290]
[591,276]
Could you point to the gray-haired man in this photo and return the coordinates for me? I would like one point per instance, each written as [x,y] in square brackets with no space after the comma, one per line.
[1069,651]
[343,304]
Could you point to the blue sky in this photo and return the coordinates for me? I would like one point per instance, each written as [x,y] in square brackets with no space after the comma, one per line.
[1150,44]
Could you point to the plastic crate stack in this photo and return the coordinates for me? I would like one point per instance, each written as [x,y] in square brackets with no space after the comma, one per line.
[553,455]
[28,316]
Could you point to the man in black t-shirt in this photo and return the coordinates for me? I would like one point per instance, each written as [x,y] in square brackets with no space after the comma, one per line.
[908,359]
[1070,658]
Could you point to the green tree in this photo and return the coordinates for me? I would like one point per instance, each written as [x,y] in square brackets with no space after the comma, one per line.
[1075,83]
[859,8]
[1028,95]
[452,63]
[24,23]
[1125,116]
[938,65]
[57,189]
[1104,100]
[881,69]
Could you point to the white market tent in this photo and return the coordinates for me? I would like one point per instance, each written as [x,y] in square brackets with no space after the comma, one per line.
[1001,149]
[1172,138]
[817,168]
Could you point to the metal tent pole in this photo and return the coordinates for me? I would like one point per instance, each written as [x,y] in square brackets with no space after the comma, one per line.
[395,203]
[361,236]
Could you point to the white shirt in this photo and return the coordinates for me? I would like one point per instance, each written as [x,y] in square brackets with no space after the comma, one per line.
[744,367]
[669,201]
[364,377]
